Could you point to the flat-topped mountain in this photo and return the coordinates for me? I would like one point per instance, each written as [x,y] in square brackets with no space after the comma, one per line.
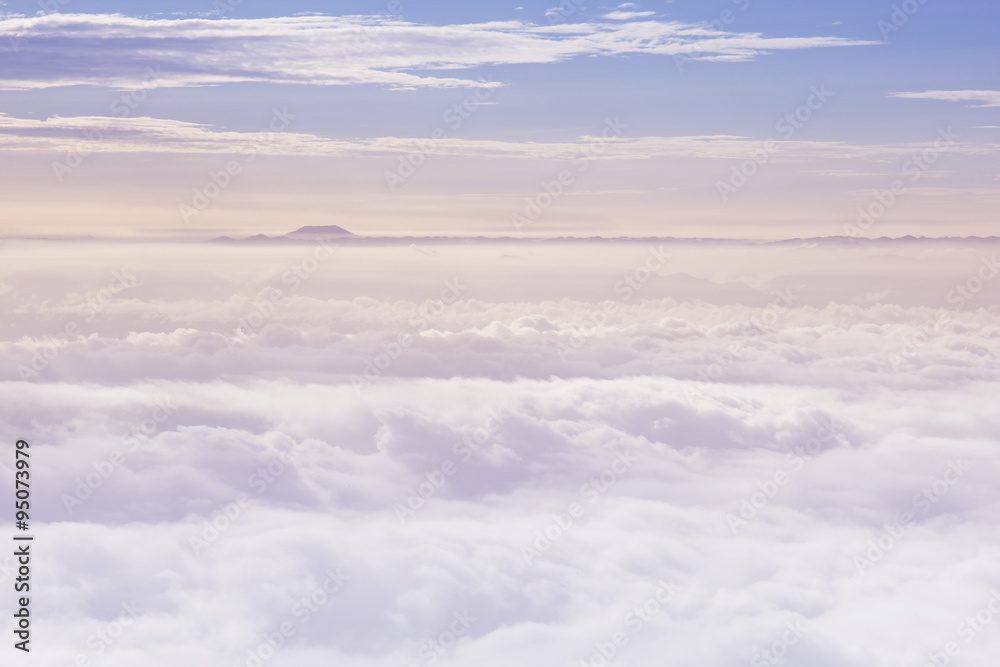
[319,232]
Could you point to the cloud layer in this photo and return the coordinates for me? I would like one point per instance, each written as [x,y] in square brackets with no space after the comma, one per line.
[756,466]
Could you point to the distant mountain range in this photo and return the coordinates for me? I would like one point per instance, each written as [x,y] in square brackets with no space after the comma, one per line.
[309,233]
[338,235]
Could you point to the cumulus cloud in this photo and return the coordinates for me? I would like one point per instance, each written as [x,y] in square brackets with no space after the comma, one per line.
[118,51]
[418,553]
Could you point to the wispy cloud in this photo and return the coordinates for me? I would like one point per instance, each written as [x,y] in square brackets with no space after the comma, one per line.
[155,135]
[626,16]
[988,98]
[114,51]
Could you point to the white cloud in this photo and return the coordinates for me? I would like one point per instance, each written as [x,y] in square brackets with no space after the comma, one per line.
[989,98]
[115,50]
[463,550]
[155,135]
[857,443]
[626,16]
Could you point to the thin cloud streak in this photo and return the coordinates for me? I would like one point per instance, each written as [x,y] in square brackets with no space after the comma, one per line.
[989,98]
[155,135]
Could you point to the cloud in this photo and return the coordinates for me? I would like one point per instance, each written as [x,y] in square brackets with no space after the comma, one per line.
[113,50]
[626,16]
[989,98]
[677,324]
[100,134]
[485,502]
[845,173]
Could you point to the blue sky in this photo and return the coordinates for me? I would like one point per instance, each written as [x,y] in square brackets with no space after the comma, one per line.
[559,75]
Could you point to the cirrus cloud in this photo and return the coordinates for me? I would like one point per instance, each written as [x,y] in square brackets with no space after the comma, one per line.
[157,135]
[988,98]
[114,50]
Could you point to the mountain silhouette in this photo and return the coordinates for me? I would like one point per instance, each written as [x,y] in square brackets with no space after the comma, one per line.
[318,232]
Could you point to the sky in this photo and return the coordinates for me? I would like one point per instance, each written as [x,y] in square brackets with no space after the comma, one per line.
[736,119]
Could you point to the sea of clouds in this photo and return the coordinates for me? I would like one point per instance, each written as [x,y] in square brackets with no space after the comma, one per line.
[506,454]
